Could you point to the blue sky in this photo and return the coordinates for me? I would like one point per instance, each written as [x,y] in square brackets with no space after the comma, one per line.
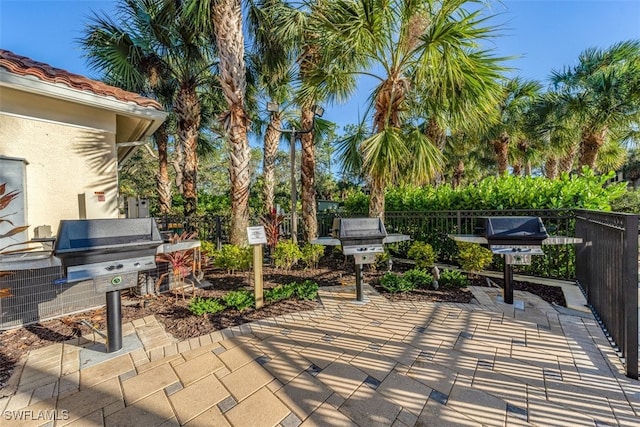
[546,35]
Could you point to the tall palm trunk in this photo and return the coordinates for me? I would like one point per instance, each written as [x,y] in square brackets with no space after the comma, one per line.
[188,110]
[376,199]
[308,176]
[589,147]
[271,142]
[501,150]
[227,23]
[438,137]
[551,167]
[163,182]
[566,161]
[458,174]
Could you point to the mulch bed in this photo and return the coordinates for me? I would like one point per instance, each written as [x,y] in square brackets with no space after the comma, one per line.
[179,322]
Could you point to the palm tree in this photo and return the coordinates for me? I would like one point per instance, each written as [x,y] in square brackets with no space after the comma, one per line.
[413,46]
[222,19]
[153,46]
[273,61]
[602,94]
[518,98]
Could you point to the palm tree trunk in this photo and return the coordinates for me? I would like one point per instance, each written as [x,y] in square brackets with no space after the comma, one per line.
[501,150]
[551,167]
[566,161]
[376,199]
[227,24]
[308,175]
[163,182]
[438,137]
[517,168]
[271,142]
[458,174]
[589,147]
[187,110]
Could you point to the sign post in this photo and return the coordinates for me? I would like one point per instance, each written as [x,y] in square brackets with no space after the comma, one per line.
[257,237]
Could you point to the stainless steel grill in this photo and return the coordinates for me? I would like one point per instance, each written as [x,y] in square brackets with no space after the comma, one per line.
[110,252]
[517,238]
[363,238]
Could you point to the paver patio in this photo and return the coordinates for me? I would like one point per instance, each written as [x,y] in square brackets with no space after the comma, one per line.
[380,363]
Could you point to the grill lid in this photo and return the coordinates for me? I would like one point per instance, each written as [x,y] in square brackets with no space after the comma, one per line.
[513,230]
[362,229]
[88,241]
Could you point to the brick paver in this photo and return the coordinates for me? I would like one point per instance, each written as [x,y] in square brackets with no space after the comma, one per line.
[380,363]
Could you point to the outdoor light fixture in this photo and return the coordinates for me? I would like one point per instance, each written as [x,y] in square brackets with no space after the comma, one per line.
[318,111]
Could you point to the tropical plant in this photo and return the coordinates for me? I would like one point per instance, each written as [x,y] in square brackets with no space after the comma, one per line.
[423,254]
[286,254]
[517,100]
[272,223]
[5,200]
[473,258]
[240,300]
[223,20]
[233,258]
[307,290]
[311,254]
[453,279]
[279,293]
[602,95]
[419,278]
[201,306]
[394,283]
[431,48]
[181,262]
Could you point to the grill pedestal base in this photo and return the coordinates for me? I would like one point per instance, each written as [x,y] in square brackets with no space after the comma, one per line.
[359,295]
[114,321]
[508,284]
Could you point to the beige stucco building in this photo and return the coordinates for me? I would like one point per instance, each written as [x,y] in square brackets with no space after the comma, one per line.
[62,139]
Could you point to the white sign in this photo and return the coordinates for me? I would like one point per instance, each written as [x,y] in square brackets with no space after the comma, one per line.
[257,235]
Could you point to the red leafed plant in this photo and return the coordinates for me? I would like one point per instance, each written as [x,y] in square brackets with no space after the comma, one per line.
[272,222]
[181,262]
[5,200]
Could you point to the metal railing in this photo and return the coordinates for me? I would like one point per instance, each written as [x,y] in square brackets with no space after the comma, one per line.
[607,271]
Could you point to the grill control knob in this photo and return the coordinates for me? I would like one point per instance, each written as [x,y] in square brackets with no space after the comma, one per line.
[136,264]
[119,266]
[111,267]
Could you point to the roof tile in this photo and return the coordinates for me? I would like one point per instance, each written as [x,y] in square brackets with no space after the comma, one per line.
[24,66]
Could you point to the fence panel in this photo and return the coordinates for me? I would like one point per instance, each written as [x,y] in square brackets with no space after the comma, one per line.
[607,271]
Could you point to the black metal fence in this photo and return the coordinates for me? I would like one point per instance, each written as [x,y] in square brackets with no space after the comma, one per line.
[607,271]
[432,227]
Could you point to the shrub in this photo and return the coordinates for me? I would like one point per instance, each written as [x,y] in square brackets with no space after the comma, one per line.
[423,254]
[240,300]
[286,254]
[453,279]
[473,257]
[233,258]
[394,283]
[307,290]
[208,248]
[279,293]
[311,254]
[419,278]
[200,306]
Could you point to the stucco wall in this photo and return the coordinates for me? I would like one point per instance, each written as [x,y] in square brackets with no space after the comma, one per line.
[70,150]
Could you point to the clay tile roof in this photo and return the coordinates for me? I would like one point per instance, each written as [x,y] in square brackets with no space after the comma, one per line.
[23,66]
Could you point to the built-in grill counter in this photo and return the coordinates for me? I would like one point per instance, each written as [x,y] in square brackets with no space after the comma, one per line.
[363,238]
[110,252]
[516,238]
